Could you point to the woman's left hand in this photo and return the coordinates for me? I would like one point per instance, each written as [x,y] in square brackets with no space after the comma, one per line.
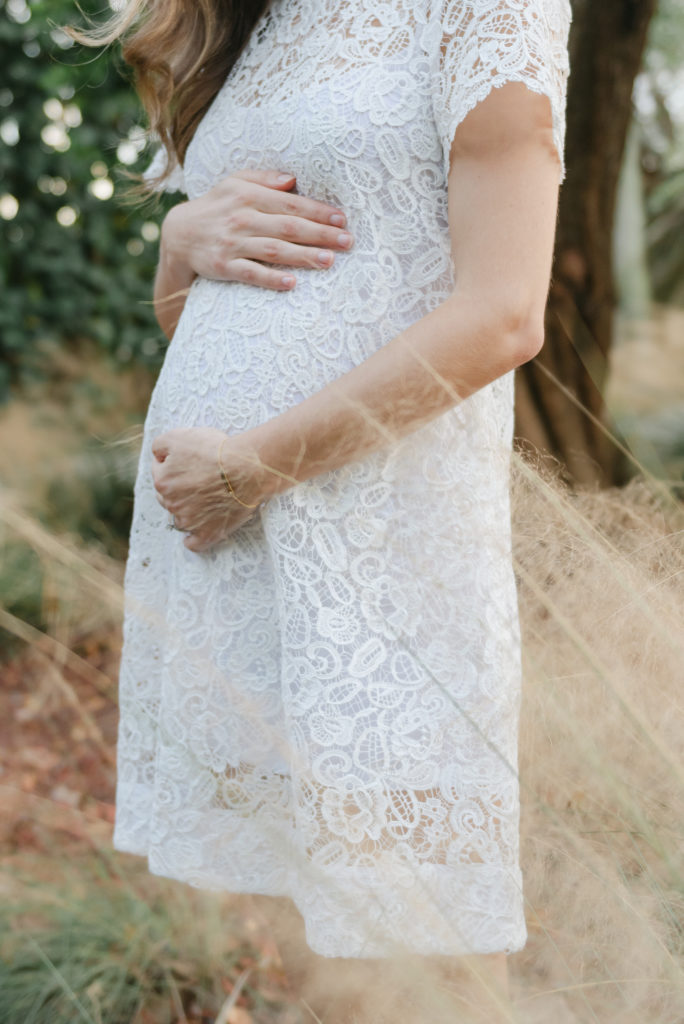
[189,484]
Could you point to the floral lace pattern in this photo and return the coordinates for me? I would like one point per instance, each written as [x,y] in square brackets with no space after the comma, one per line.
[326,705]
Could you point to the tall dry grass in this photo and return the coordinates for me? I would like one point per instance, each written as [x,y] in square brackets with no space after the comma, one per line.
[602,749]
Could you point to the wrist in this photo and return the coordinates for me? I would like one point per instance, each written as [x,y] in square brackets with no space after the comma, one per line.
[262,477]
[173,258]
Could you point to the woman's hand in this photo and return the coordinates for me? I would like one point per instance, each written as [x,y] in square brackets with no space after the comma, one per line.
[189,485]
[248,217]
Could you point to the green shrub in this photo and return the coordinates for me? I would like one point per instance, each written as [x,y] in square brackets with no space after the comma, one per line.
[21,583]
[96,500]
[74,261]
[94,951]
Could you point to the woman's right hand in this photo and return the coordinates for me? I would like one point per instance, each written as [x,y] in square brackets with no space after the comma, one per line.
[247,218]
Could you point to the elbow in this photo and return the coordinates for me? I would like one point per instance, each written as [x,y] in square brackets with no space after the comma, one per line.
[524,334]
[511,333]
[526,342]
[513,326]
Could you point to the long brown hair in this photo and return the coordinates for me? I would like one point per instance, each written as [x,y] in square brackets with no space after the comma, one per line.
[181,52]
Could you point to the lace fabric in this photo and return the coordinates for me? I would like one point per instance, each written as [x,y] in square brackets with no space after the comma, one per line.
[326,705]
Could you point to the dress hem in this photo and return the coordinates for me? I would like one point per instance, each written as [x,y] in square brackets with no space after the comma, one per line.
[326,946]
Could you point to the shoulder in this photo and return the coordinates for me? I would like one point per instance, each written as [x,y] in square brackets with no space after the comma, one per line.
[476,45]
[512,35]
[501,17]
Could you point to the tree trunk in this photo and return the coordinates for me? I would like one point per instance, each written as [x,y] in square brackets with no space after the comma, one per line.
[559,404]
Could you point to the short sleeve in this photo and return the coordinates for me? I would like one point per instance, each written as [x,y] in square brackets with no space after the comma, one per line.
[477,45]
[176,179]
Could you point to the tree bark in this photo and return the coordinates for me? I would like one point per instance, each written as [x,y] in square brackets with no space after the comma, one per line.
[559,404]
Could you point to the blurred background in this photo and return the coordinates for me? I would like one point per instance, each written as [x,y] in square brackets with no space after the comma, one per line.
[598,517]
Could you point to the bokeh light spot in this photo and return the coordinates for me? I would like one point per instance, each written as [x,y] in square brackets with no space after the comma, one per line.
[72,115]
[126,153]
[9,206]
[9,131]
[54,135]
[53,109]
[66,216]
[150,231]
[18,10]
[101,188]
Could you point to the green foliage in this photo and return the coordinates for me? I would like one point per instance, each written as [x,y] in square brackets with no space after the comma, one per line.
[95,501]
[64,111]
[106,955]
[665,35]
[665,236]
[21,583]
[662,153]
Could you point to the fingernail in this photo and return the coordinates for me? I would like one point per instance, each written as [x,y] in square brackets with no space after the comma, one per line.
[337,220]
[325,257]
[345,239]
[288,280]
[282,178]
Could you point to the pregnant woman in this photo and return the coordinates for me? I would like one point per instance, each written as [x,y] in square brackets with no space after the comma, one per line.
[320,681]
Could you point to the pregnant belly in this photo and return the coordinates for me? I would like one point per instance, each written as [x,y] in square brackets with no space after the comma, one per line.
[241,355]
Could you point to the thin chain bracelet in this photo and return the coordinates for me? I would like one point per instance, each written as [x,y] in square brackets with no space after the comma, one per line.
[227,482]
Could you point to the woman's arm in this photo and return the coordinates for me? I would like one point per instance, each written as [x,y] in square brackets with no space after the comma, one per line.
[171,286]
[503,194]
[248,217]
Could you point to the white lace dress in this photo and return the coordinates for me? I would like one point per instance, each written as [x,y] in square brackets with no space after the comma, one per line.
[326,705]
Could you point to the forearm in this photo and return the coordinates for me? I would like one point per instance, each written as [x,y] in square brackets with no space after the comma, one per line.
[171,284]
[447,355]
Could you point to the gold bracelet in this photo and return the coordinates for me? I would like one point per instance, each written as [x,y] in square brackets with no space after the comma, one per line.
[227,482]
